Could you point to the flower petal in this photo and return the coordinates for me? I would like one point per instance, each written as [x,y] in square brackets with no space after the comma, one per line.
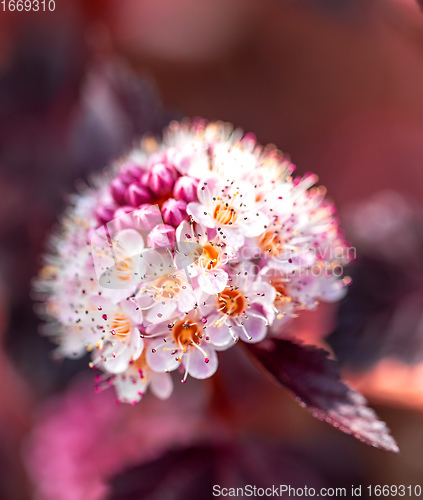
[254,328]
[263,293]
[186,299]
[129,243]
[117,358]
[255,224]
[130,388]
[159,359]
[184,228]
[162,311]
[161,384]
[196,362]
[233,236]
[132,310]
[199,213]
[218,333]
[207,189]
[213,281]
[136,344]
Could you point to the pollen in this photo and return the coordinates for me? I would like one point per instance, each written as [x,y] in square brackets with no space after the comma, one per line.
[209,258]
[224,214]
[121,325]
[231,302]
[270,243]
[187,333]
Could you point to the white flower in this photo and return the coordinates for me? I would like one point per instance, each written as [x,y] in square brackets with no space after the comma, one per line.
[119,261]
[317,284]
[167,296]
[131,384]
[119,339]
[203,254]
[184,342]
[240,310]
[230,208]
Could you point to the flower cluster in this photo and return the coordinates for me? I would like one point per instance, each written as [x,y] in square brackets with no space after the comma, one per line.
[183,248]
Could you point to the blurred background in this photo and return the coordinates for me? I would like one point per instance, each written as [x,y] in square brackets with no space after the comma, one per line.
[337,84]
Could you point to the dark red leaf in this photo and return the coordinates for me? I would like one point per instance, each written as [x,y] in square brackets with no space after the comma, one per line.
[315,381]
[189,473]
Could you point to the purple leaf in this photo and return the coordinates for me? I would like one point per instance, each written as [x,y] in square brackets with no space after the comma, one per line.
[189,473]
[315,381]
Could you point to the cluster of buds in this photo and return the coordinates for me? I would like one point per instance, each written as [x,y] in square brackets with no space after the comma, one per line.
[186,247]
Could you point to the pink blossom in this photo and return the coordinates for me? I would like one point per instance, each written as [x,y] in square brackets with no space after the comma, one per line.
[208,240]
[136,194]
[186,189]
[161,178]
[174,211]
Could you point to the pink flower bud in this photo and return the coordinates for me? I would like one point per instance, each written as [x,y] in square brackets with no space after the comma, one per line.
[118,189]
[147,217]
[105,213]
[136,194]
[174,211]
[130,172]
[162,236]
[144,178]
[121,219]
[185,189]
[161,178]
[126,209]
